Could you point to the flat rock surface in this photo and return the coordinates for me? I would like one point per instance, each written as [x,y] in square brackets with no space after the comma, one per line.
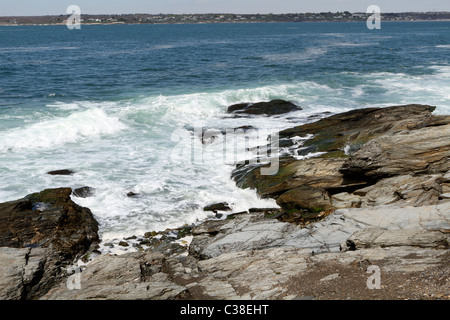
[133,276]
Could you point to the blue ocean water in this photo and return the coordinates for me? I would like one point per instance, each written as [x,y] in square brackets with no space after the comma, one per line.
[106,100]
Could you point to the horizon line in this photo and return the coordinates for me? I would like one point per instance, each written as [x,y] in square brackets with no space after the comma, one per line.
[220,13]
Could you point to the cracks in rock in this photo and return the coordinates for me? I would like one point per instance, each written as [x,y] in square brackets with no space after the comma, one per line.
[23,293]
[28,286]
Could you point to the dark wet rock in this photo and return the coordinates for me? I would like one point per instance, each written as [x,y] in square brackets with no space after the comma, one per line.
[49,230]
[132,194]
[221,206]
[244,128]
[273,107]
[62,225]
[84,192]
[64,172]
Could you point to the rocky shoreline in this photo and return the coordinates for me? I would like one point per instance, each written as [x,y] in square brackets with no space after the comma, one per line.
[376,195]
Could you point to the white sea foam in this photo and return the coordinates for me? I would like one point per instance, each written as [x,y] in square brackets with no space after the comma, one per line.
[358,91]
[118,147]
[58,131]
[429,89]
[310,54]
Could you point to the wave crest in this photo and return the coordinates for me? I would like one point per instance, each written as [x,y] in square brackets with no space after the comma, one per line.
[59,131]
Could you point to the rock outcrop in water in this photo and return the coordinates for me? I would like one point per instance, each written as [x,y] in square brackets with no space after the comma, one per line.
[273,107]
[377,196]
[367,157]
[63,172]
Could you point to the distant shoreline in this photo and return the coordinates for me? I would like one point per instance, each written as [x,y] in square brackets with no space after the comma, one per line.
[111,19]
[192,23]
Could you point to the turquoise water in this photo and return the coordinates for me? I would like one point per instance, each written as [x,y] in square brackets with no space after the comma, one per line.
[107,101]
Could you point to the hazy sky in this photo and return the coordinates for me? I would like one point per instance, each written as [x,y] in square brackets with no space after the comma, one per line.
[44,7]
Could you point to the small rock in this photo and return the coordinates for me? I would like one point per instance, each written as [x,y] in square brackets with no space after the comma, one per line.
[83,192]
[132,194]
[184,231]
[146,242]
[150,234]
[138,246]
[245,128]
[221,206]
[330,277]
[64,172]
[123,244]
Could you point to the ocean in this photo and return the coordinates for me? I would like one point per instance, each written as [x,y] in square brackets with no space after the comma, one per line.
[113,103]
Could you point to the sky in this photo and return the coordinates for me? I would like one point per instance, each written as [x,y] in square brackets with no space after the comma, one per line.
[52,7]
